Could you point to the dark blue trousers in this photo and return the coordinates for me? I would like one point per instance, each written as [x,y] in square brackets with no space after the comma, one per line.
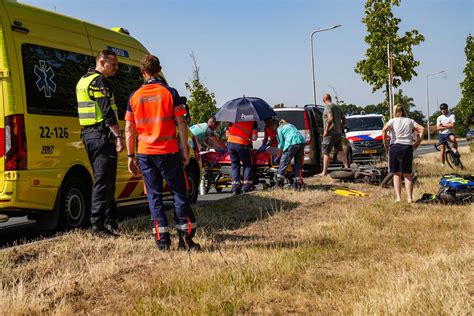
[169,167]
[240,153]
[103,158]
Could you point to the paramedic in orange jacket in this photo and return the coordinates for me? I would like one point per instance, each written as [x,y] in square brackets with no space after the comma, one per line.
[241,135]
[153,111]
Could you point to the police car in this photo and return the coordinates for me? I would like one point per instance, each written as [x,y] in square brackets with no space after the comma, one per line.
[364,133]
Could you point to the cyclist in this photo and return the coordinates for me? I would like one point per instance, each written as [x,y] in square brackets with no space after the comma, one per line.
[445,125]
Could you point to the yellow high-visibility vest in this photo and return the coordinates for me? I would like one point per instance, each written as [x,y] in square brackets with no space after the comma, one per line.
[87,106]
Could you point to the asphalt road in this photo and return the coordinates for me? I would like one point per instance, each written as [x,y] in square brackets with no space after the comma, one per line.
[429,148]
[19,230]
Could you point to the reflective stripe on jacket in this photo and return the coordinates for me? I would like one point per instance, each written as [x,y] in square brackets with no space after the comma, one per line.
[87,107]
[152,108]
[241,133]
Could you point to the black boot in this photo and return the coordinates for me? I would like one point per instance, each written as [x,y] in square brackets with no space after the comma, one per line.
[162,246]
[280,183]
[181,244]
[188,244]
[111,225]
[192,245]
[298,186]
[99,230]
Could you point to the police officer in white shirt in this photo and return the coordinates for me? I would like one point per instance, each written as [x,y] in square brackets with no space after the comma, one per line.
[445,125]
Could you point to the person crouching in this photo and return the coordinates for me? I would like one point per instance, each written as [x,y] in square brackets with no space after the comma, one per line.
[292,144]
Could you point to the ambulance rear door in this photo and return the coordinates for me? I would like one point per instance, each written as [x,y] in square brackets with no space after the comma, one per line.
[6,96]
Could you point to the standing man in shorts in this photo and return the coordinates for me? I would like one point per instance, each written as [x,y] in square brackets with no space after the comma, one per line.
[445,124]
[333,121]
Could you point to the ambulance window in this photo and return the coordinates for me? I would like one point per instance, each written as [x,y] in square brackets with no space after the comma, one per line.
[127,80]
[51,76]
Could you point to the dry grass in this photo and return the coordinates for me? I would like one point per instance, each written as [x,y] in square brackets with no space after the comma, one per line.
[273,252]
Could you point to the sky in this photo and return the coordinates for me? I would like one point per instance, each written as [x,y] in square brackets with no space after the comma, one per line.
[262,47]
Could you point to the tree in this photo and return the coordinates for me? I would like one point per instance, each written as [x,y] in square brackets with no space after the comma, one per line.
[380,108]
[400,98]
[349,109]
[465,109]
[409,106]
[382,28]
[201,103]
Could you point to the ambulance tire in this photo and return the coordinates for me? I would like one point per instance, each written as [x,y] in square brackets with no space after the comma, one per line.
[193,181]
[74,204]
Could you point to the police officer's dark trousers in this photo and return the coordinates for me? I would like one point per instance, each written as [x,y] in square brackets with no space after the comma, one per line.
[103,159]
[169,167]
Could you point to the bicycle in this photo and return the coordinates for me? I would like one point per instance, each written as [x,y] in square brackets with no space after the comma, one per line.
[452,158]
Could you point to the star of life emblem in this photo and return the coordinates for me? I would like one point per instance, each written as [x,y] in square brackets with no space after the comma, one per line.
[45,76]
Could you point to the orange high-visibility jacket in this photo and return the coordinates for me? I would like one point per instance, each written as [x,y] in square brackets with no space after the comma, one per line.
[242,132]
[154,108]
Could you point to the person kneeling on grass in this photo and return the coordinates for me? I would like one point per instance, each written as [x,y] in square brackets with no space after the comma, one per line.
[401,148]
[291,143]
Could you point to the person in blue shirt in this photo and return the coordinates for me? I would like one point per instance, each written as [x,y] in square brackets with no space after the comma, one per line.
[291,145]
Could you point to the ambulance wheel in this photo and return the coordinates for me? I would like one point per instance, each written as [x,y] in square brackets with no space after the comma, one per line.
[193,182]
[75,204]
[219,189]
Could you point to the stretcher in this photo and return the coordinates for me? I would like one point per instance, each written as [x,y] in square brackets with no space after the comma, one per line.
[218,170]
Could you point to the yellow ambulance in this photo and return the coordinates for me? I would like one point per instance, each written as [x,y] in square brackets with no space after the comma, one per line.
[44,170]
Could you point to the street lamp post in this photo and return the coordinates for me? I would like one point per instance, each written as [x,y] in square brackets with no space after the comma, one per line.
[312,56]
[428,99]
